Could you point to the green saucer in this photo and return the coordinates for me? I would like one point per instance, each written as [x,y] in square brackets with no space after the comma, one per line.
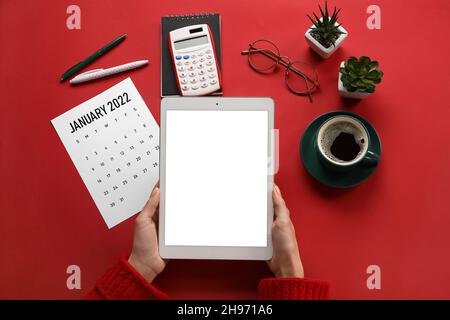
[312,163]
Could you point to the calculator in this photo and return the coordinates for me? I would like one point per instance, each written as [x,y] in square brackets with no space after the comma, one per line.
[195,60]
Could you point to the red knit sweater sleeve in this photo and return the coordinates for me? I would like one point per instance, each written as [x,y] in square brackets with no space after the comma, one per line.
[293,289]
[123,282]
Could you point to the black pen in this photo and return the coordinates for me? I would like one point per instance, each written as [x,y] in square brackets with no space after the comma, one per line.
[92,58]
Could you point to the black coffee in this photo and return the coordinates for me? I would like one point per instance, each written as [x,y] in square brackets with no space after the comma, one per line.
[344,147]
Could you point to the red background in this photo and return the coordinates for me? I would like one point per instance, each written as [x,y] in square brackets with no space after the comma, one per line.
[398,219]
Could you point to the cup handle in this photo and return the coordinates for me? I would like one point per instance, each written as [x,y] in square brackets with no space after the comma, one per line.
[371,159]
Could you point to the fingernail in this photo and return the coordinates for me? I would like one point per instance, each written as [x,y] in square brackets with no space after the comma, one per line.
[277,190]
[155,189]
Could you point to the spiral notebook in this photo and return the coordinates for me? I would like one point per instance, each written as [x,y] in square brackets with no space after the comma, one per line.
[169,23]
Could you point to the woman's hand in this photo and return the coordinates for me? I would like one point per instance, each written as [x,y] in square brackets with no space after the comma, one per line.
[285,262]
[145,256]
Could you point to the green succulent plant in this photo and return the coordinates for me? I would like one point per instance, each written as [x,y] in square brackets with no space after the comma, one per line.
[360,74]
[326,31]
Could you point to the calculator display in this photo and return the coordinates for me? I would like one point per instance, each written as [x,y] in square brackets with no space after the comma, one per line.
[182,44]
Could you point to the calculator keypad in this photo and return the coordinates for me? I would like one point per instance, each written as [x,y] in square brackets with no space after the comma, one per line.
[197,73]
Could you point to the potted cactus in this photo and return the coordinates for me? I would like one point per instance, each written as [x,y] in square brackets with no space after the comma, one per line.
[358,77]
[326,34]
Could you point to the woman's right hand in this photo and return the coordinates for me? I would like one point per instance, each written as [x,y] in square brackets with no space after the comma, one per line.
[285,262]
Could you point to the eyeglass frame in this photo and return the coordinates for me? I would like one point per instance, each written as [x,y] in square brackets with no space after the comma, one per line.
[288,65]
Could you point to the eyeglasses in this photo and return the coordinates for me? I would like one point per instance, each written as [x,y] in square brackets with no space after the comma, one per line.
[300,77]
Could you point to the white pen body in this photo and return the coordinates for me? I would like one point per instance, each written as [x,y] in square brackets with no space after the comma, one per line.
[100,73]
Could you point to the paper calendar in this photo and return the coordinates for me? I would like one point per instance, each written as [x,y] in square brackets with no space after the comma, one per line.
[113,140]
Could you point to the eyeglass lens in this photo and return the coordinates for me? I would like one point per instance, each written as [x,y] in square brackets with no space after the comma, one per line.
[260,53]
[303,81]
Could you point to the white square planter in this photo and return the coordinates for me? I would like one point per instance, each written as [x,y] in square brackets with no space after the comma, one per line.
[319,48]
[347,94]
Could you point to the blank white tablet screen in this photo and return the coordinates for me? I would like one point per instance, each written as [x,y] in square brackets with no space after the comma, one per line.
[216,178]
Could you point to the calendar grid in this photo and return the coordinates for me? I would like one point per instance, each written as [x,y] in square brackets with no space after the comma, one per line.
[113,141]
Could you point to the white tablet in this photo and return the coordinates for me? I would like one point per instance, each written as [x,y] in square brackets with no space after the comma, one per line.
[215,178]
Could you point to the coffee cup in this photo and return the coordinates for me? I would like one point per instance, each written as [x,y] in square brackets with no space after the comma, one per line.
[343,143]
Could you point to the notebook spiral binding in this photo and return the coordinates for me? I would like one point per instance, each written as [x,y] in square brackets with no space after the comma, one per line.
[190,16]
